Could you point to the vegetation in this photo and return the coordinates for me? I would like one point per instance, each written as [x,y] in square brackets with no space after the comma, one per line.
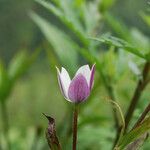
[116,115]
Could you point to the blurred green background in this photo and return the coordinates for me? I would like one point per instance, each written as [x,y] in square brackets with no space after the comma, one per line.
[37,89]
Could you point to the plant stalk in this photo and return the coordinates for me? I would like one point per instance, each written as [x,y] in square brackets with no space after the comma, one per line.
[75,124]
[142,117]
[137,94]
[5,124]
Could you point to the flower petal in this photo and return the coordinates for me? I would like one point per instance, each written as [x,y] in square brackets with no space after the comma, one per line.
[78,89]
[92,76]
[86,72]
[60,83]
[64,81]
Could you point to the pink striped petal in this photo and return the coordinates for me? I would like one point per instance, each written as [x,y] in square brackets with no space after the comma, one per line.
[86,72]
[78,89]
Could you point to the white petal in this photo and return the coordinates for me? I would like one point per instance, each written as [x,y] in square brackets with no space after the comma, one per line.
[65,78]
[60,83]
[86,72]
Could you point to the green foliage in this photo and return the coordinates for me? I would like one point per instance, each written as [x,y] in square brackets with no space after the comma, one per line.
[72,40]
[105,5]
[134,134]
[75,31]
[122,44]
[146,18]
[4,83]
[63,46]
[17,68]
[131,40]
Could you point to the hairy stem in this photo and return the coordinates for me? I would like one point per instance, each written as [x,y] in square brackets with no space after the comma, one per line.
[5,123]
[75,123]
[137,94]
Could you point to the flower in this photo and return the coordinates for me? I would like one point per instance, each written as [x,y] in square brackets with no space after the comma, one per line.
[78,89]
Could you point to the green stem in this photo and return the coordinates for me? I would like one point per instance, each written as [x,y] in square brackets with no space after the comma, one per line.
[75,124]
[5,124]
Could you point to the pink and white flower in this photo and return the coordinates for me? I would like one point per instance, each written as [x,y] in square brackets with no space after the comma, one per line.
[78,89]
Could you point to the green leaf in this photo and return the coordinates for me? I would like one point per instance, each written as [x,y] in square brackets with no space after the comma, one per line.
[134,68]
[120,43]
[17,65]
[141,41]
[118,26]
[4,83]
[134,134]
[63,46]
[67,17]
[105,5]
[20,64]
[146,18]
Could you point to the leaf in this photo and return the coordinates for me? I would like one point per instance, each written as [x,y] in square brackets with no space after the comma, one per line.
[118,26]
[146,18]
[4,83]
[141,41]
[105,5]
[134,68]
[137,143]
[134,134]
[120,43]
[20,63]
[51,136]
[64,47]
[17,65]
[67,17]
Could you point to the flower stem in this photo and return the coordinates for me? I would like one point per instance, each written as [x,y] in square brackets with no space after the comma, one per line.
[75,123]
[5,123]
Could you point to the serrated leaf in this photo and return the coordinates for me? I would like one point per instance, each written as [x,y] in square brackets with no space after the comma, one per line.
[120,43]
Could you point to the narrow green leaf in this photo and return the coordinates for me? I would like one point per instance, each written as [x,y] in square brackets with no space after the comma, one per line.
[4,83]
[118,26]
[70,21]
[146,18]
[120,43]
[134,134]
[20,64]
[63,46]
[105,5]
[17,65]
